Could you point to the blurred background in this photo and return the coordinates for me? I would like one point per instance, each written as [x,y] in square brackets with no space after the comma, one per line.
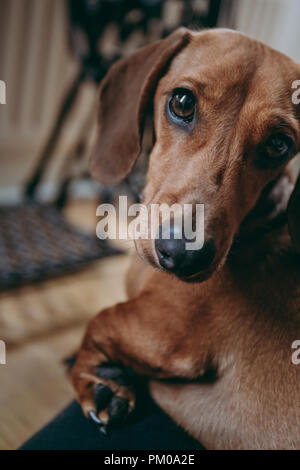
[54,273]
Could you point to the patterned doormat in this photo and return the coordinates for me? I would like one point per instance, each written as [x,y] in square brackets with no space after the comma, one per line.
[37,243]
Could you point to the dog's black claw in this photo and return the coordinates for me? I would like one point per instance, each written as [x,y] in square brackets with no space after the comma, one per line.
[101,426]
[95,418]
[103,431]
[102,396]
[118,409]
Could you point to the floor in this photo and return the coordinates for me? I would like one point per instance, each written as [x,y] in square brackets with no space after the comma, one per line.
[42,325]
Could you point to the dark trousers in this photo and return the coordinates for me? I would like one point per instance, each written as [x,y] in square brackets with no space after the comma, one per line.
[149,428]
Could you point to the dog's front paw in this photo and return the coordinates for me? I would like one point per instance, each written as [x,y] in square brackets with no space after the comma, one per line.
[106,397]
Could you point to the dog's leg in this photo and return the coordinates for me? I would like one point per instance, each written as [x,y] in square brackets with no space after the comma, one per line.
[140,335]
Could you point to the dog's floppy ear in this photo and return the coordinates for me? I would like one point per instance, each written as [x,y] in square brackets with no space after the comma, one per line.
[293,212]
[125,93]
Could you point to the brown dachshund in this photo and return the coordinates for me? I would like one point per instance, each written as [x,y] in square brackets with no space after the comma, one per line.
[225,129]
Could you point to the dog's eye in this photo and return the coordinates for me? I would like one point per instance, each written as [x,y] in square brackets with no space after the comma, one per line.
[278,146]
[277,149]
[182,104]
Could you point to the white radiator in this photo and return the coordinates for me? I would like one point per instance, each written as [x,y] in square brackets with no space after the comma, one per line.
[275,22]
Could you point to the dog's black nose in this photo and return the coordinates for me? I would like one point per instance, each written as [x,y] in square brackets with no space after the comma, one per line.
[174,256]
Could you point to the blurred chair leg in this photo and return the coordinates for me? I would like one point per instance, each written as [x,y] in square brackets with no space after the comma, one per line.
[47,152]
[79,151]
[213,13]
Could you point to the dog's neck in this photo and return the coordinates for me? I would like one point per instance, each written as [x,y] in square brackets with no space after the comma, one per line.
[269,211]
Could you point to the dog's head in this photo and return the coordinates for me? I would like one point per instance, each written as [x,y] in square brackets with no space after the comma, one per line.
[225,127]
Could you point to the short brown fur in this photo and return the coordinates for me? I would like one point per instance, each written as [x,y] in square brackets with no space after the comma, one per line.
[241,317]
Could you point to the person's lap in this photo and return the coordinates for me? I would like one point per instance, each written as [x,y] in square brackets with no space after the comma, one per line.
[149,428]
